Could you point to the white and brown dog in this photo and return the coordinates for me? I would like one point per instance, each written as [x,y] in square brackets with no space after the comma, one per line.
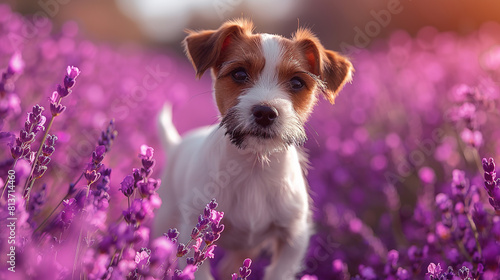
[265,87]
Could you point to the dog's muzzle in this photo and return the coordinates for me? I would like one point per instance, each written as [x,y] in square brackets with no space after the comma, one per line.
[262,124]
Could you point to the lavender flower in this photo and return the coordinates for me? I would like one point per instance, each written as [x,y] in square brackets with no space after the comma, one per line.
[55,107]
[67,214]
[127,186]
[147,160]
[34,123]
[43,160]
[492,183]
[107,137]
[69,79]
[244,271]
[142,259]
[172,234]
[91,176]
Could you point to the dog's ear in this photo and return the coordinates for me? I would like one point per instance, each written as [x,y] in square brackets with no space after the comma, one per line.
[204,48]
[332,68]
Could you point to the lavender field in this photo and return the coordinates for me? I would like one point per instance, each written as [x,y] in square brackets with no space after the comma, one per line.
[403,173]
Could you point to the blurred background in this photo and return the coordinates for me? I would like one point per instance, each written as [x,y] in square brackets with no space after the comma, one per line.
[161,22]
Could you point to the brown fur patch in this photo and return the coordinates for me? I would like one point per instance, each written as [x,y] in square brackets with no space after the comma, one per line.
[295,63]
[242,53]
[334,69]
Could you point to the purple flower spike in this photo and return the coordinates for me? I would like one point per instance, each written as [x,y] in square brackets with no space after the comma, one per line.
[56,109]
[16,152]
[43,160]
[137,174]
[37,110]
[148,164]
[72,73]
[172,234]
[207,212]
[127,186]
[195,233]
[217,229]
[463,273]
[39,171]
[181,250]
[488,165]
[107,137]
[146,152]
[26,137]
[210,251]
[98,154]
[244,271]
[491,183]
[213,204]
[63,91]
[247,263]
[148,188]
[51,140]
[91,176]
[142,258]
[434,270]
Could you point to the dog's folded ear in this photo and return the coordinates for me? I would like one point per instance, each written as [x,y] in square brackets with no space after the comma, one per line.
[204,48]
[332,68]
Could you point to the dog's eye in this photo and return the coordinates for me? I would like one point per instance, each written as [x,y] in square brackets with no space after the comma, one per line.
[296,83]
[239,75]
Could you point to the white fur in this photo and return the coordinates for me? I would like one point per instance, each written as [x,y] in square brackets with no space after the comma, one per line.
[266,205]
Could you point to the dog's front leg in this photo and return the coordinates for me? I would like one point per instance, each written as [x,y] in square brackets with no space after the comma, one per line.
[286,262]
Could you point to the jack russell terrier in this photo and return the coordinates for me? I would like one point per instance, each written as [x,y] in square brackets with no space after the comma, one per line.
[253,163]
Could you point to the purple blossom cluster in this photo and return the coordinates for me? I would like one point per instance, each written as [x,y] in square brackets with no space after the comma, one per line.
[206,232]
[399,186]
[244,271]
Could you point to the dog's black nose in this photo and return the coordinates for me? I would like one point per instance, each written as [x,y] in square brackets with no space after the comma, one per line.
[264,115]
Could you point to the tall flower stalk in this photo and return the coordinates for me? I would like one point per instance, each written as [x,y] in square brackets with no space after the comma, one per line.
[22,148]
[56,108]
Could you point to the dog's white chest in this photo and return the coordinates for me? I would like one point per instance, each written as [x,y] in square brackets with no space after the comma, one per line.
[262,200]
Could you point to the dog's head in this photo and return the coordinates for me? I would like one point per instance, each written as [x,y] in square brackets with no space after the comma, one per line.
[266,85]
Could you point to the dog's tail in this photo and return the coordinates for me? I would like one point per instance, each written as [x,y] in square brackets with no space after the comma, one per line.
[169,135]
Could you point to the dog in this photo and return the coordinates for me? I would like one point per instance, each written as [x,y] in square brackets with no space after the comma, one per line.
[253,161]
